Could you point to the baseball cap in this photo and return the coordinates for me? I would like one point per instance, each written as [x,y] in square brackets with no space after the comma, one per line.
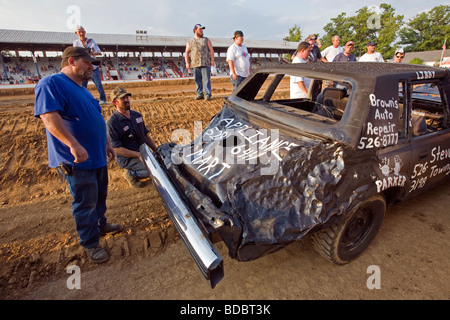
[371,43]
[399,50]
[119,92]
[79,52]
[349,43]
[238,33]
[198,26]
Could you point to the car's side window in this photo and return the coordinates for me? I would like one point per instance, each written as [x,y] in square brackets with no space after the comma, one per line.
[428,110]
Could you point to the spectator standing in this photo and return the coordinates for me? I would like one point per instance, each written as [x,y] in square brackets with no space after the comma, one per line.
[315,55]
[94,51]
[238,60]
[77,145]
[299,85]
[201,53]
[399,56]
[347,55]
[332,51]
[127,132]
[371,55]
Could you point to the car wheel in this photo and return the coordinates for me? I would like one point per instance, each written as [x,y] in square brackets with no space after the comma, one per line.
[347,239]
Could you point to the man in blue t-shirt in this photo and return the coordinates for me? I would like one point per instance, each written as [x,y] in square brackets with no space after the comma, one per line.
[77,145]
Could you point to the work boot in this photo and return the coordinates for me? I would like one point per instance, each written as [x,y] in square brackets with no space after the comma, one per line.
[133,181]
[97,254]
[110,228]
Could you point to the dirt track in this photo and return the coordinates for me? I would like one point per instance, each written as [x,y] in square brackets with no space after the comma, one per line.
[148,260]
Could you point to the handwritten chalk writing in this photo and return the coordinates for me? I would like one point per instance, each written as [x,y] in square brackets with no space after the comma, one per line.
[380,130]
[384,115]
[437,154]
[418,184]
[425,75]
[395,181]
[419,169]
[434,170]
[248,145]
[374,102]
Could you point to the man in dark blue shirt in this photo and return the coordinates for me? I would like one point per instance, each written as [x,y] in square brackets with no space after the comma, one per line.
[127,132]
[347,55]
[77,145]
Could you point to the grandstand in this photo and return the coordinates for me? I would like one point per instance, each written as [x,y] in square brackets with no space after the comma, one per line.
[30,55]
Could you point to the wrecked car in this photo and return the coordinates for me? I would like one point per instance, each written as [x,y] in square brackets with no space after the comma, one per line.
[269,170]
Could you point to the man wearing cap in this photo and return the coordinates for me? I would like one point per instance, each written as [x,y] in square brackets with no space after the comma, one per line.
[399,56]
[127,132]
[371,55]
[202,58]
[94,51]
[347,55]
[315,55]
[77,145]
[238,60]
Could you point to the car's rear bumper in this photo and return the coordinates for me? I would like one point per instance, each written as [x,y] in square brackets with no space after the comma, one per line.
[200,247]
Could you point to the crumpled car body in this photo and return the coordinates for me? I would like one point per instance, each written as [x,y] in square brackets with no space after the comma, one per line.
[269,169]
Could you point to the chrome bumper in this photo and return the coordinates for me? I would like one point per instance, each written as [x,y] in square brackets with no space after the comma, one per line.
[199,246]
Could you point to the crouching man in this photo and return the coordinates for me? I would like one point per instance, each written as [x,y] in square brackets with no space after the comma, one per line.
[127,132]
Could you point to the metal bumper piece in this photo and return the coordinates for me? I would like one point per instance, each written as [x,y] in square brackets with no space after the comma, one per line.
[199,246]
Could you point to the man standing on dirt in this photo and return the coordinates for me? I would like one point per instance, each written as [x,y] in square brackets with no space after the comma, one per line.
[238,60]
[202,58]
[77,145]
[94,50]
[127,132]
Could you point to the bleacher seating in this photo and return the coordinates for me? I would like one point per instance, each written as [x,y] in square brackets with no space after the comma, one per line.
[22,70]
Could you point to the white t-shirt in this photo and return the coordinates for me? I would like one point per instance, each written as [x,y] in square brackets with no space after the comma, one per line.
[296,92]
[374,57]
[330,52]
[241,59]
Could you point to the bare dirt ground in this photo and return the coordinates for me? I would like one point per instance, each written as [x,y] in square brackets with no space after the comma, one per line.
[148,260]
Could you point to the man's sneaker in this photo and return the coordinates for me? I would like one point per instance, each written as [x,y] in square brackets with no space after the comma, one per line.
[97,254]
[133,181]
[111,228]
[199,98]
[102,102]
[208,97]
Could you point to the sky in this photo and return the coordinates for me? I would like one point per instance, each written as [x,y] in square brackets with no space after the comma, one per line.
[258,19]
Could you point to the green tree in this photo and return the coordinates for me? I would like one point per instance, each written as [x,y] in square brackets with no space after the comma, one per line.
[341,26]
[416,61]
[427,30]
[295,34]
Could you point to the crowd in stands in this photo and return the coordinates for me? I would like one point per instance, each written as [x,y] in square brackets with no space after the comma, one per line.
[22,70]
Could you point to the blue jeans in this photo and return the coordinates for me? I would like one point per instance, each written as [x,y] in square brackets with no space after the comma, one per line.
[202,77]
[136,168]
[237,82]
[96,78]
[89,189]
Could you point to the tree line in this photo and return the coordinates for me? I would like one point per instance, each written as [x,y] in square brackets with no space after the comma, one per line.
[426,31]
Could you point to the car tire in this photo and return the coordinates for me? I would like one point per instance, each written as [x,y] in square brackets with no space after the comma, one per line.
[345,240]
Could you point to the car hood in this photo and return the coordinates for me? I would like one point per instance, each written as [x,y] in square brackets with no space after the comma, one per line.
[267,188]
